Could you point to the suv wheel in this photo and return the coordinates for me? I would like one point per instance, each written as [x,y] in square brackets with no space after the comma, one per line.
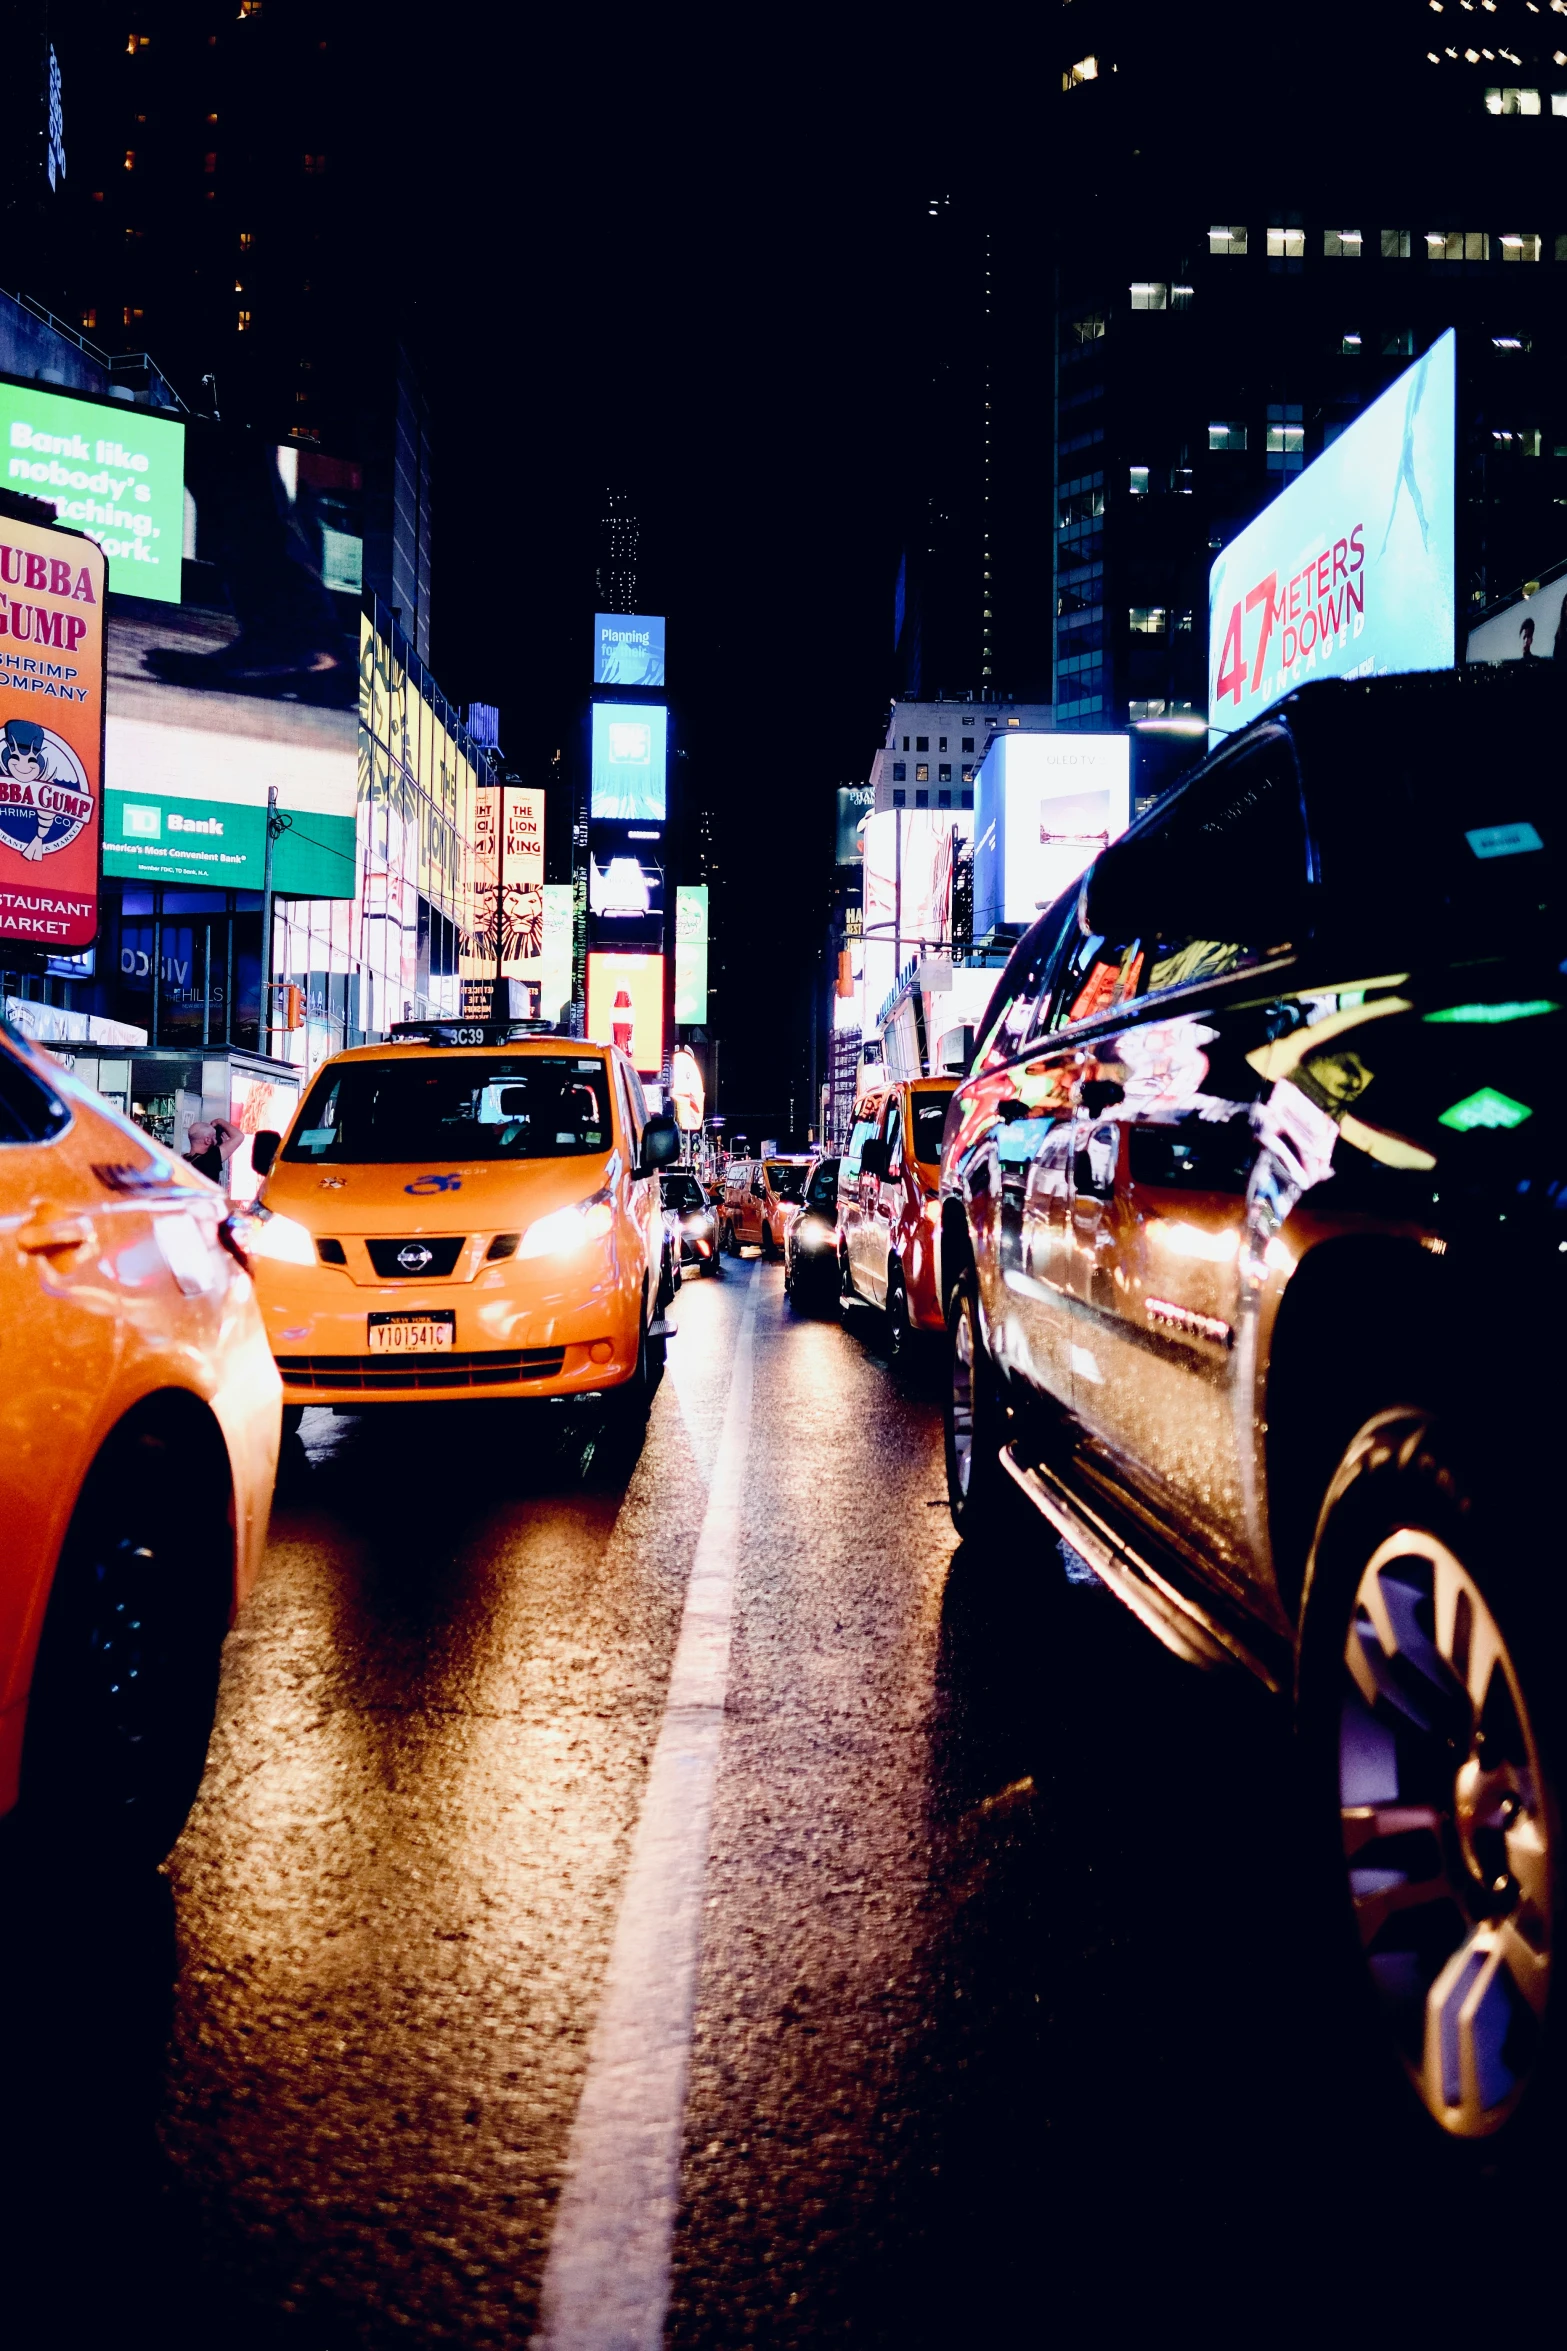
[1430,1777]
[900,1327]
[982,1497]
[126,1683]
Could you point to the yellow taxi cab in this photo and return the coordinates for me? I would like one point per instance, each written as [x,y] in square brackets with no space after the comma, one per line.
[139,1420]
[469,1211]
[758,1196]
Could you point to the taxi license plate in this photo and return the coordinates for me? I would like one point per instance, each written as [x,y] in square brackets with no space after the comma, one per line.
[412,1334]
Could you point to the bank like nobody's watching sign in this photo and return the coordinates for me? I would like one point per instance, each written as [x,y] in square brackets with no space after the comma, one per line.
[1350,572]
[51,737]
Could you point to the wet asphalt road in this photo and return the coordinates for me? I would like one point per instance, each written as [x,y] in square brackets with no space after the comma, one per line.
[1006,2024]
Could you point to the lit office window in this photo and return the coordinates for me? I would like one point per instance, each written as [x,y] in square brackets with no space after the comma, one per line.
[1137,480]
[922,772]
[1286,244]
[1150,294]
[1398,342]
[1512,102]
[1227,436]
[1457,245]
[1286,451]
[1148,620]
[1395,244]
[1086,330]
[1085,70]
[1227,240]
[1341,244]
[1349,346]
[1520,247]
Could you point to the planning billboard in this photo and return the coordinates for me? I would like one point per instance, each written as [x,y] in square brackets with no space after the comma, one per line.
[1044,805]
[51,737]
[1351,571]
[626,1006]
[630,755]
[628,648]
[108,469]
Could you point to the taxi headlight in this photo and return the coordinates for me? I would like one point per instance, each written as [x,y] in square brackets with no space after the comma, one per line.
[566,1230]
[265,1233]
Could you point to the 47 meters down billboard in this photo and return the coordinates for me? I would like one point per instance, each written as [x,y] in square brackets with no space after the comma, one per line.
[1350,572]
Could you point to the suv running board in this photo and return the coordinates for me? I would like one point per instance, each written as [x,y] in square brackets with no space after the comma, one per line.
[1184,1627]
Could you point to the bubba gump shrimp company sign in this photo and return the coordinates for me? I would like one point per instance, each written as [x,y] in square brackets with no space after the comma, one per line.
[51,737]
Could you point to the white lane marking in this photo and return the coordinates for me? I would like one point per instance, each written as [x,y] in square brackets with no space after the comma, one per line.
[606,2282]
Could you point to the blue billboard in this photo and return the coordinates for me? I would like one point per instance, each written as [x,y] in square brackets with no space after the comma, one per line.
[1350,573]
[628,648]
[630,761]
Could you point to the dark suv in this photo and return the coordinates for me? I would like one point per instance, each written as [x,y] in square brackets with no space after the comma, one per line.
[1253,1240]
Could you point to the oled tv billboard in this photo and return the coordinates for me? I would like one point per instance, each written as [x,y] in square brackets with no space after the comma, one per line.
[630,752]
[1351,571]
[628,649]
[110,470]
[1044,806]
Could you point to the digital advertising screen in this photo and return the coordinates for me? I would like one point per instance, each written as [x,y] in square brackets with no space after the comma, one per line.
[690,953]
[630,753]
[626,1006]
[1531,628]
[854,802]
[51,736]
[628,648]
[112,470]
[909,857]
[559,926]
[1044,807]
[252,681]
[1350,572]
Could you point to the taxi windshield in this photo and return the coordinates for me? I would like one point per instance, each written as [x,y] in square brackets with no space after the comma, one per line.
[516,1106]
[787,1181]
[930,1117]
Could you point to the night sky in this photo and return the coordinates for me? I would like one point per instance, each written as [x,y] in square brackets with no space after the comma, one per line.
[686,280]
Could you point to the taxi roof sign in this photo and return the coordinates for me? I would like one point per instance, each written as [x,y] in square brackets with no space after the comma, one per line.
[472,1032]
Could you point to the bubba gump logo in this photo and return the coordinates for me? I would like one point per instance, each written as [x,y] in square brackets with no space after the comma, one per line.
[44,795]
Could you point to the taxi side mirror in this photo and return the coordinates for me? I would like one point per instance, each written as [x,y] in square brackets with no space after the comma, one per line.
[264,1148]
[660,1144]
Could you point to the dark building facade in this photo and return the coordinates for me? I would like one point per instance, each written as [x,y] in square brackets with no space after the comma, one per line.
[1225,303]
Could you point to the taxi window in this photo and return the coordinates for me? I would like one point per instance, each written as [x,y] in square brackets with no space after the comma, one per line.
[864,1128]
[930,1119]
[786,1181]
[29,1112]
[385,1113]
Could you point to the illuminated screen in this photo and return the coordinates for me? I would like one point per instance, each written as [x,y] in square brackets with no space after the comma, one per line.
[628,648]
[1044,806]
[51,728]
[1350,572]
[690,953]
[254,681]
[854,802]
[629,754]
[108,469]
[626,1006]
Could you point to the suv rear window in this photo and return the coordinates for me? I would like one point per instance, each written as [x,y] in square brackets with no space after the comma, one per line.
[786,1181]
[440,1108]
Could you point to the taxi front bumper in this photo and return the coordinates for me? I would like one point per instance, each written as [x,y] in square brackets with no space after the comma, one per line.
[512,1335]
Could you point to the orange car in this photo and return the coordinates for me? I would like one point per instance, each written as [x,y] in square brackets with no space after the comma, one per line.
[464,1212]
[139,1415]
[757,1199]
[887,1205]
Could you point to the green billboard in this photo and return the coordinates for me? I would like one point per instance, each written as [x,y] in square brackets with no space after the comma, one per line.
[108,469]
[221,844]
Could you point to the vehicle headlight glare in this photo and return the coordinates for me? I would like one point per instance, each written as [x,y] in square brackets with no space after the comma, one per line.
[283,1239]
[566,1230]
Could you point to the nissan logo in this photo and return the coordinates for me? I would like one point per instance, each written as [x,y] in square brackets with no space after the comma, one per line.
[415,1257]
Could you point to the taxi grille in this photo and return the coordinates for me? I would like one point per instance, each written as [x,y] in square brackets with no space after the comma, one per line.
[435,1257]
[372,1374]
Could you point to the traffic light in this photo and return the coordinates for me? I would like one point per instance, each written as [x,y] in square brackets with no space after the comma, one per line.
[293,1006]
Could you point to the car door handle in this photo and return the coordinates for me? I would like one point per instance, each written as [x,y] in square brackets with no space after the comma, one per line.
[53,1236]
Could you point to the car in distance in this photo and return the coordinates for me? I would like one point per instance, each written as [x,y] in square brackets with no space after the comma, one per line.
[468,1211]
[139,1424]
[757,1195]
[810,1239]
[1253,1241]
[888,1207]
[689,1216]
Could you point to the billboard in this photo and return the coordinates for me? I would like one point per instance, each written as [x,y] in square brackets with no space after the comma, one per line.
[1532,628]
[628,648]
[630,750]
[854,801]
[690,953]
[51,736]
[626,1006]
[108,469]
[909,856]
[555,988]
[521,919]
[1350,572]
[1044,805]
[253,681]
